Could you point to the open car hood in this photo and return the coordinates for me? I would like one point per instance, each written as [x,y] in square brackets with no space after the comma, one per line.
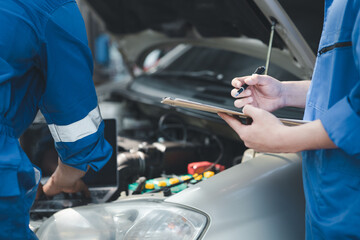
[139,25]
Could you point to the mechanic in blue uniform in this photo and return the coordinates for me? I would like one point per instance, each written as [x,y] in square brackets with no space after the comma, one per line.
[331,142]
[45,64]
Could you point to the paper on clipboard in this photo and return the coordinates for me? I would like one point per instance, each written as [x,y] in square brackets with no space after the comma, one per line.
[178,102]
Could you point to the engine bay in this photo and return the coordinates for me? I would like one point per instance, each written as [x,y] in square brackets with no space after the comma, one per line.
[159,143]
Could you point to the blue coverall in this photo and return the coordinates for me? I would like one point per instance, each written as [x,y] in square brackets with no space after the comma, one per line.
[332,177]
[45,64]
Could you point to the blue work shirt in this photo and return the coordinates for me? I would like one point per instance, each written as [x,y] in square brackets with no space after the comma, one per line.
[332,177]
[46,64]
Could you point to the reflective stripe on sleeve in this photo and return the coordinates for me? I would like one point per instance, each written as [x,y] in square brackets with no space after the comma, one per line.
[77,130]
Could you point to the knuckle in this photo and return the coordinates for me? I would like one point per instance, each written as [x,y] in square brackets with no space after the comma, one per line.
[239,103]
[246,108]
[254,78]
[258,79]
[235,82]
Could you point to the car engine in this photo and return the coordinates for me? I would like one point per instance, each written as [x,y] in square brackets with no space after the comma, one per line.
[162,142]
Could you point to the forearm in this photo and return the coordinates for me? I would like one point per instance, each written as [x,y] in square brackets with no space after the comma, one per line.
[65,179]
[65,175]
[268,134]
[308,136]
[294,93]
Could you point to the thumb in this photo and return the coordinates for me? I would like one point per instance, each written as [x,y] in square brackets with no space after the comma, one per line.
[251,111]
[39,191]
[232,122]
[50,189]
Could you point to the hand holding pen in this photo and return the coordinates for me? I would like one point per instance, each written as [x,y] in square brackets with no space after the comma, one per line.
[258,90]
[259,70]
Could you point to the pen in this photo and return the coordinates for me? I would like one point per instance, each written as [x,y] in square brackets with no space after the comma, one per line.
[259,70]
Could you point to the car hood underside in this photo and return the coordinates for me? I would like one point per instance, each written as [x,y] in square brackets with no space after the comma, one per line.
[201,20]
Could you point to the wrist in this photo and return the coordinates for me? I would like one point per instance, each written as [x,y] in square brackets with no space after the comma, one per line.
[283,95]
[287,93]
[293,93]
[65,175]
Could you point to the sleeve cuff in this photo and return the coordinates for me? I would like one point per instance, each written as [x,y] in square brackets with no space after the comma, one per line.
[343,126]
[80,155]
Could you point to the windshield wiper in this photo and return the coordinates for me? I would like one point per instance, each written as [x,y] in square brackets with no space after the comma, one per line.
[205,74]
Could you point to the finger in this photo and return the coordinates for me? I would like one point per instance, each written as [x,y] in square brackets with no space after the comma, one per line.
[50,189]
[86,193]
[252,111]
[84,189]
[39,191]
[78,187]
[232,122]
[239,103]
[246,93]
[238,81]
[257,79]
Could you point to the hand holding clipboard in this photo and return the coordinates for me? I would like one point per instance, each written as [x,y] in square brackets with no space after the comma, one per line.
[178,102]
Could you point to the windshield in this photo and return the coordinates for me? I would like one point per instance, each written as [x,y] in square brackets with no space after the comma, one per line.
[224,63]
[198,73]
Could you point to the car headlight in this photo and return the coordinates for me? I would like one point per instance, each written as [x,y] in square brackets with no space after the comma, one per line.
[136,219]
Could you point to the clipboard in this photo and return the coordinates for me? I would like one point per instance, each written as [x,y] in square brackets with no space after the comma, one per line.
[178,102]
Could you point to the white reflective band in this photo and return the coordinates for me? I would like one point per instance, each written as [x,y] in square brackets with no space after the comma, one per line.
[77,130]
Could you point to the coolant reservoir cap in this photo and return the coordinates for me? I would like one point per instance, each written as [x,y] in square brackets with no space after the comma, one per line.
[162,184]
[184,178]
[173,180]
[149,186]
[197,177]
[209,174]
